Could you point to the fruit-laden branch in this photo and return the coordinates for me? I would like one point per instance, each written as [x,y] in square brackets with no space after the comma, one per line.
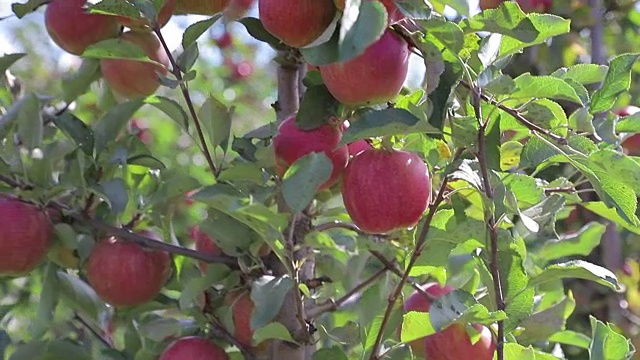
[420,243]
[175,70]
[334,305]
[491,218]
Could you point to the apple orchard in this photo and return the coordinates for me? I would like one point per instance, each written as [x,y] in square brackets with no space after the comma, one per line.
[408,179]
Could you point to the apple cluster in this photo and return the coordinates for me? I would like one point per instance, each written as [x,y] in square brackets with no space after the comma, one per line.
[74,29]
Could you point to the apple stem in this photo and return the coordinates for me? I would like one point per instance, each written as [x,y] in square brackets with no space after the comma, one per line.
[490,217]
[175,70]
[420,243]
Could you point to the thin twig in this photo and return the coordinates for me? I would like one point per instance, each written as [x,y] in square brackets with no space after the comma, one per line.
[394,269]
[422,238]
[221,332]
[98,335]
[491,219]
[175,70]
[568,190]
[333,305]
[14,183]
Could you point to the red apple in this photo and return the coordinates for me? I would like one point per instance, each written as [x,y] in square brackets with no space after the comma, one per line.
[528,6]
[163,17]
[490,4]
[385,190]
[241,70]
[358,146]
[25,236]
[124,273]
[452,343]
[242,308]
[238,8]
[73,29]
[296,22]
[205,245]
[141,131]
[394,15]
[375,76]
[193,348]
[292,143]
[132,78]
[224,41]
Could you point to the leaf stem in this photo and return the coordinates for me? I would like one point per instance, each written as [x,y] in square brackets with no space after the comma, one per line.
[175,70]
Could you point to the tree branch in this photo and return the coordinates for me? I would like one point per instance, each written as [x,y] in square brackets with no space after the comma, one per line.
[490,217]
[96,333]
[422,239]
[175,70]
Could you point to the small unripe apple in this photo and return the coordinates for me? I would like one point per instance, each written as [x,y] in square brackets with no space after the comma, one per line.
[373,77]
[25,236]
[193,348]
[132,78]
[124,273]
[296,22]
[205,245]
[242,308]
[201,7]
[394,15]
[292,143]
[164,15]
[385,190]
[452,343]
[73,29]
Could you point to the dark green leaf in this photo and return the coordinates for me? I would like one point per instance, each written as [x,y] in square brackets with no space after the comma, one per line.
[577,269]
[77,131]
[268,294]
[195,30]
[617,81]
[303,178]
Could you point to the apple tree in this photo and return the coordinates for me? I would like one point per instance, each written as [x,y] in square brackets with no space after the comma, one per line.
[401,179]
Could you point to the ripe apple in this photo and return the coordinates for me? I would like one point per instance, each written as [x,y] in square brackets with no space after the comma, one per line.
[292,143]
[452,343]
[385,190]
[132,78]
[541,6]
[124,273]
[205,245]
[490,4]
[630,145]
[73,29]
[296,22]
[375,76]
[394,15]
[163,17]
[242,308]
[25,236]
[193,348]
[238,8]
[201,7]
[358,146]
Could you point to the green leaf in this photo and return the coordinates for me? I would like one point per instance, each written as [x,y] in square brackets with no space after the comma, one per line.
[548,115]
[542,324]
[507,19]
[77,131]
[81,295]
[584,74]
[195,30]
[617,81]
[316,107]
[390,121]
[171,108]
[416,325]
[579,243]
[216,119]
[197,285]
[79,81]
[577,269]
[46,303]
[268,294]
[109,126]
[547,25]
[530,86]
[30,6]
[274,330]
[572,338]
[29,119]
[601,209]
[607,344]
[330,353]
[619,166]
[9,59]
[115,192]
[356,36]
[303,179]
[115,7]
[256,30]
[117,49]
[160,328]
